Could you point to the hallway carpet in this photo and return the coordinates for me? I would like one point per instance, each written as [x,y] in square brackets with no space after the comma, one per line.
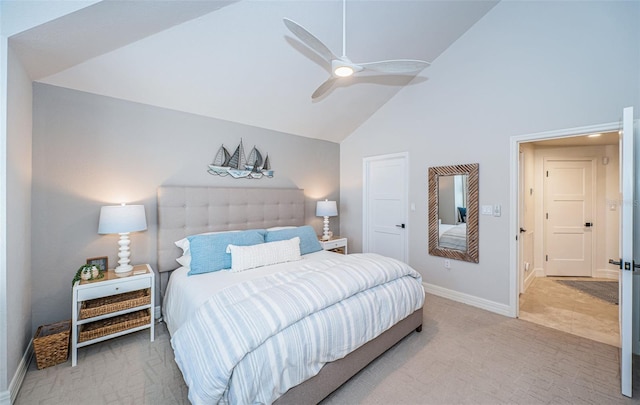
[464,355]
[604,290]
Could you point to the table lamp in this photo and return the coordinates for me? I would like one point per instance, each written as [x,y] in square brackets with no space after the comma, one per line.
[122,219]
[326,209]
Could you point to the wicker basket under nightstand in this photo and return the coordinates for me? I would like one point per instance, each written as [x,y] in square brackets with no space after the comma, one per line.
[51,344]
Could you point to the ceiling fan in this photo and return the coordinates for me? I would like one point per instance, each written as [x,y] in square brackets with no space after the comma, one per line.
[342,66]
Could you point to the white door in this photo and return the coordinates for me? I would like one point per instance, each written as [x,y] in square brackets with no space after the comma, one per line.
[521,223]
[626,250]
[568,217]
[385,198]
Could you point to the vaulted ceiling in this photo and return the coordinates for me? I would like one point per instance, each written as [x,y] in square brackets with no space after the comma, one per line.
[236,60]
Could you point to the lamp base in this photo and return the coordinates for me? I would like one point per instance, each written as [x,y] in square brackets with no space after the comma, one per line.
[123,268]
[123,254]
[325,229]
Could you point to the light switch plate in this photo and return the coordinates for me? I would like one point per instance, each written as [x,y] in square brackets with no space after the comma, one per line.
[487,210]
[497,210]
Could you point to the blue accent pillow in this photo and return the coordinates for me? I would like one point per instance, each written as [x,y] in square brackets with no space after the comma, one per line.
[463,214]
[308,239]
[209,251]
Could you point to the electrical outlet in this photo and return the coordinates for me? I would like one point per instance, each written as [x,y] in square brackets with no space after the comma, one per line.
[447,264]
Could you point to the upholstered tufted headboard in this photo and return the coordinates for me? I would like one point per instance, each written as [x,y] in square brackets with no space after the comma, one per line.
[184,211]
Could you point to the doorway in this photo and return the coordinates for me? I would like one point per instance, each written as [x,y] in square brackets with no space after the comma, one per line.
[568,228]
[385,197]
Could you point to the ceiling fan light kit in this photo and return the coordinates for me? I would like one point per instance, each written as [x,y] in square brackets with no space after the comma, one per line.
[342,66]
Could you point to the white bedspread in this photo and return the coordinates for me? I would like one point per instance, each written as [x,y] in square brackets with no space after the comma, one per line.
[252,341]
[185,294]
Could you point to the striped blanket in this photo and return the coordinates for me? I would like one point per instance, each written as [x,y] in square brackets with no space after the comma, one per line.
[251,342]
[454,238]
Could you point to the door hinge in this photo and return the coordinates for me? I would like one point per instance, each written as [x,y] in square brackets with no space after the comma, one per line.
[547,215]
[547,173]
[546,258]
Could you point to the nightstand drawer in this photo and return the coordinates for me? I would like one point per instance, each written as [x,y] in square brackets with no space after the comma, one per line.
[113,288]
[332,244]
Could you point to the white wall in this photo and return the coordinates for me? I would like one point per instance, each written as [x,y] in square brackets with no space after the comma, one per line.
[91,150]
[18,213]
[15,221]
[4,344]
[15,188]
[526,67]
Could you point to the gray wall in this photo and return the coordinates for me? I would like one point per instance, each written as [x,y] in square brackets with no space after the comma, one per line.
[526,67]
[91,150]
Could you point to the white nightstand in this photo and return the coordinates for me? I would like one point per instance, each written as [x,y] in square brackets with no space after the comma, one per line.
[335,244]
[112,306]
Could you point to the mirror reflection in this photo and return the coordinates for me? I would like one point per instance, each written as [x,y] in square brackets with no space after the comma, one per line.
[452,211]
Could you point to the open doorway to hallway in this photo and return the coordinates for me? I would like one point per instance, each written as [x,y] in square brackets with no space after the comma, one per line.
[569,226]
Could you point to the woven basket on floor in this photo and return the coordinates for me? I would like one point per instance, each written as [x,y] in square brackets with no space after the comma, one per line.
[116,324]
[115,303]
[51,344]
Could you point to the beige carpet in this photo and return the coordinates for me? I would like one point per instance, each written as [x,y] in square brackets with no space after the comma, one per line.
[464,355]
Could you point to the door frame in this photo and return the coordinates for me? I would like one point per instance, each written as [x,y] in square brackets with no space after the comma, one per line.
[514,181]
[366,162]
[545,226]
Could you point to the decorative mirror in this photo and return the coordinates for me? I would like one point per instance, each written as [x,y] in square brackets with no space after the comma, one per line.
[453,212]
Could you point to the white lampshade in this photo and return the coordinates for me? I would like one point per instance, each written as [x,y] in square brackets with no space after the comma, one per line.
[326,208]
[122,219]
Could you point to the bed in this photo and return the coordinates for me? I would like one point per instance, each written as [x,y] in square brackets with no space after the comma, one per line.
[294,372]
[453,236]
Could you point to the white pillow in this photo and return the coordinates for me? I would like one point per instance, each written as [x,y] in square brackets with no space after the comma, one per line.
[249,257]
[185,260]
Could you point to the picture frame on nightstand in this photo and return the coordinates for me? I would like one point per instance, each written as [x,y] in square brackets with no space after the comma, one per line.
[101,262]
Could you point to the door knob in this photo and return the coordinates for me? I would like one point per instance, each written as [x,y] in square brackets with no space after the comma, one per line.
[400,226]
[617,263]
[588,224]
[522,230]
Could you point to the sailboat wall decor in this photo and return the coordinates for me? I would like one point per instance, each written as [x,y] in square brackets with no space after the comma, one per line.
[237,166]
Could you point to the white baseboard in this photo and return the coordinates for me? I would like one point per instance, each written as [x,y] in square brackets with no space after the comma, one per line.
[9,397]
[472,300]
[607,273]
[528,279]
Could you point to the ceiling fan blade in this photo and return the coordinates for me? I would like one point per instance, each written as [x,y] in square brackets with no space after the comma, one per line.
[324,87]
[397,66]
[308,38]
